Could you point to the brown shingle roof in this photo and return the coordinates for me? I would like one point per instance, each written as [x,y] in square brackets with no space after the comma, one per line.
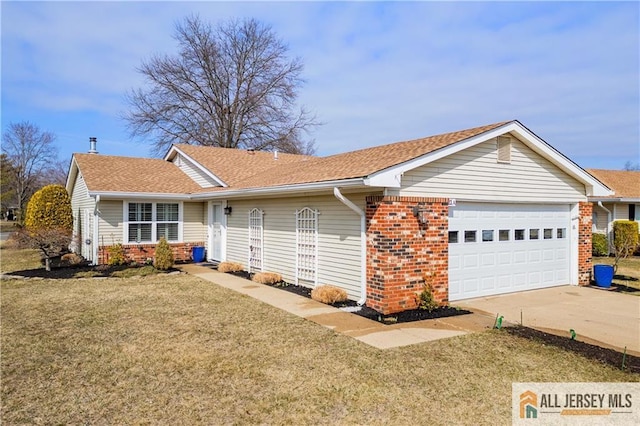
[127,174]
[241,169]
[625,184]
[235,165]
[359,163]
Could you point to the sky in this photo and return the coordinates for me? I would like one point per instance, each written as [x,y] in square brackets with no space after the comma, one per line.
[375,72]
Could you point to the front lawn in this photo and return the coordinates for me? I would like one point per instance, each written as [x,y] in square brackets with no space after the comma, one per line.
[179,350]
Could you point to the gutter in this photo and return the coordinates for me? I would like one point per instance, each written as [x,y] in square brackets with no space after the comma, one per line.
[608,223]
[363,243]
[96,236]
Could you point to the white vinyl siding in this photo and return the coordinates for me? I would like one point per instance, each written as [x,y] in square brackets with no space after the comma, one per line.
[194,172]
[474,174]
[601,217]
[339,250]
[83,209]
[195,224]
[110,222]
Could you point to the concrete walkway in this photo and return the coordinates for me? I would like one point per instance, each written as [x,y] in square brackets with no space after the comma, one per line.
[367,331]
[598,316]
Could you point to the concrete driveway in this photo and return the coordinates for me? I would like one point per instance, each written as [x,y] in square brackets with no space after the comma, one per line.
[598,316]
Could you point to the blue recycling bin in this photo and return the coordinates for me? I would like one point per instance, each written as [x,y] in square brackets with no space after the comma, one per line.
[603,275]
[197,254]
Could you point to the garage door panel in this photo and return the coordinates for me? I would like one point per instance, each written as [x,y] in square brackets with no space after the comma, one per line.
[517,247]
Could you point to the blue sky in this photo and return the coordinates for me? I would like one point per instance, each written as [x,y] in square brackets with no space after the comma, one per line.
[376,72]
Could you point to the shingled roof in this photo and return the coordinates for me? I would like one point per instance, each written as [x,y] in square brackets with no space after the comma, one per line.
[106,173]
[241,169]
[625,184]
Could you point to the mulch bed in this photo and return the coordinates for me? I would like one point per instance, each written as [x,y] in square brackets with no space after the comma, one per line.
[604,355]
[365,311]
[69,272]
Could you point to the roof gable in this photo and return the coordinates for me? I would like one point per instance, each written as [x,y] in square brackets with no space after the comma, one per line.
[105,173]
[625,184]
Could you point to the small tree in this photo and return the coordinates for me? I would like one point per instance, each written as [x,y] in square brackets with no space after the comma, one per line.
[48,222]
[164,256]
[625,240]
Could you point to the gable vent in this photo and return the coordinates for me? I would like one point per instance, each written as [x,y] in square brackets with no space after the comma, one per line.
[504,149]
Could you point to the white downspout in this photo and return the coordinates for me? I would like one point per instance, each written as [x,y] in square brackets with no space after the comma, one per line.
[96,216]
[363,243]
[608,224]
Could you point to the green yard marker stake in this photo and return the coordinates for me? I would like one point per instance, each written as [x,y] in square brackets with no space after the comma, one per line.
[521,317]
[573,334]
[498,324]
[624,358]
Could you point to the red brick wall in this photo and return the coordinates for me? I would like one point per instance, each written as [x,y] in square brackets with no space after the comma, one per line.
[584,243]
[141,252]
[402,252]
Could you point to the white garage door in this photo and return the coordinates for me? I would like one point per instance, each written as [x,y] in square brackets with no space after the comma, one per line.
[503,248]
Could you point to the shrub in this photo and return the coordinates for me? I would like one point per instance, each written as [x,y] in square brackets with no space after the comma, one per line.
[599,245]
[117,256]
[164,256]
[72,259]
[426,300]
[328,294]
[269,278]
[625,239]
[230,267]
[48,222]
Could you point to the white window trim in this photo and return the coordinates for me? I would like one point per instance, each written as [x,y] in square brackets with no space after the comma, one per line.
[260,217]
[154,222]
[316,214]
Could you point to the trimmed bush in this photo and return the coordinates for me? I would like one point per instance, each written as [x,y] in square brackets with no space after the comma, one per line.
[50,208]
[116,255]
[164,255]
[328,294]
[599,245]
[268,278]
[230,267]
[625,240]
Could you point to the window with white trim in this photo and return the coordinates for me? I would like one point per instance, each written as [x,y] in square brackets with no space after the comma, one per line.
[256,231]
[307,245]
[147,222]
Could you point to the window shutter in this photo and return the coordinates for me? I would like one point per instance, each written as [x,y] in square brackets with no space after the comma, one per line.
[504,149]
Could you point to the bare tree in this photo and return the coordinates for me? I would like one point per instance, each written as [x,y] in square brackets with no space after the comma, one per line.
[231,86]
[631,167]
[31,152]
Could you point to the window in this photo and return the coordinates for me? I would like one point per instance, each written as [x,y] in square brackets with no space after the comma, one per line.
[148,222]
[255,240]
[519,235]
[503,235]
[534,234]
[469,236]
[167,221]
[140,222]
[561,233]
[306,245]
[487,235]
[453,236]
[548,233]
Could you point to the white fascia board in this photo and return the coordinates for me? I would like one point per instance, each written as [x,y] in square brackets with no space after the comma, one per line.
[175,150]
[391,177]
[278,190]
[630,200]
[112,195]
[71,175]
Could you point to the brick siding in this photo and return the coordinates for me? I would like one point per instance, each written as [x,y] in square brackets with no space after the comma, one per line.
[140,253]
[584,243]
[403,254]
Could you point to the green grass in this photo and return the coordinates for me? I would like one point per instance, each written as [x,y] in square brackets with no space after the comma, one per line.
[179,350]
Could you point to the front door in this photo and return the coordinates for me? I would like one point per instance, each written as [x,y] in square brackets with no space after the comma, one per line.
[215,231]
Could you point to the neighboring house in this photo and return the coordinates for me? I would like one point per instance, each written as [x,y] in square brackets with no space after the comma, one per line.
[478,212]
[624,204]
